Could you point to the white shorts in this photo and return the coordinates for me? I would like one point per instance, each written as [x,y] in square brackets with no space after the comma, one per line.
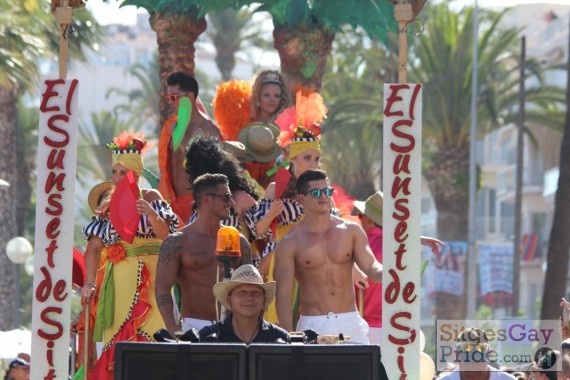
[349,324]
[375,335]
[193,323]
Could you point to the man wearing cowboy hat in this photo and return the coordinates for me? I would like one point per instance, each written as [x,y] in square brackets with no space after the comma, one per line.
[245,296]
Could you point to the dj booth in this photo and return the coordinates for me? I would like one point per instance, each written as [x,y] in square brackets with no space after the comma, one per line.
[224,361]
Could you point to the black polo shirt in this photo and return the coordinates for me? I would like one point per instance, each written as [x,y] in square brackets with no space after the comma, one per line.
[224,332]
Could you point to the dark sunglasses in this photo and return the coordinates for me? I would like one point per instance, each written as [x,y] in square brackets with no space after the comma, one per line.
[225,197]
[468,347]
[171,98]
[316,193]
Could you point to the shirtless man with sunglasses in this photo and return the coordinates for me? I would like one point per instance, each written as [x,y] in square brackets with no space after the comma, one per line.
[319,253]
[188,258]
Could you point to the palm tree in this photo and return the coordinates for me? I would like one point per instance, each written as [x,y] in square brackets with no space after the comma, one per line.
[142,104]
[304,31]
[559,242]
[352,132]
[27,31]
[442,61]
[226,34]
[178,24]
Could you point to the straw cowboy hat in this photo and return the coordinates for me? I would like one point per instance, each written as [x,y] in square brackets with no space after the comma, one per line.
[260,140]
[372,207]
[245,274]
[236,148]
[95,194]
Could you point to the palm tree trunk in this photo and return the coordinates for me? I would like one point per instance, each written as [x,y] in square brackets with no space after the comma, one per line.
[8,230]
[176,34]
[447,179]
[559,243]
[303,52]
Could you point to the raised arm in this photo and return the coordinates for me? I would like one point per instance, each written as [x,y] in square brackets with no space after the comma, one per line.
[363,255]
[433,243]
[275,209]
[159,225]
[245,250]
[284,274]
[166,271]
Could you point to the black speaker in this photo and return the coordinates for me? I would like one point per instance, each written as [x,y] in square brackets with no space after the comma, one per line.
[168,361]
[315,362]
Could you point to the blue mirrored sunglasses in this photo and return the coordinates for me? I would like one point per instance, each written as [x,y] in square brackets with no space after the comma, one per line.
[316,193]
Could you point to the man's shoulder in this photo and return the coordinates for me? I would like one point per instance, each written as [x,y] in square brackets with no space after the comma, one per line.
[450,376]
[204,126]
[500,375]
[275,331]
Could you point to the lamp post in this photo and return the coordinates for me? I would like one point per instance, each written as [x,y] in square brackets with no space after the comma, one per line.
[18,250]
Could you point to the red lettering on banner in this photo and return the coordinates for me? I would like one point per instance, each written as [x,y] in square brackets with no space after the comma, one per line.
[44,288]
[393,288]
[51,125]
[51,322]
[408,292]
[57,101]
[52,180]
[52,228]
[402,163]
[401,327]
[50,375]
[394,97]
[49,94]
[400,234]
[53,201]
[403,135]
[401,186]
[399,254]
[401,205]
[70,93]
[417,90]
[50,250]
[60,294]
[402,145]
[56,162]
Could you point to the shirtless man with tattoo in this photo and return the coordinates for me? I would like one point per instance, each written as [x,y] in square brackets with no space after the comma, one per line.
[188,258]
[319,253]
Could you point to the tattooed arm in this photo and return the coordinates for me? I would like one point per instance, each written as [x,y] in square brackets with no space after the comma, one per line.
[166,271]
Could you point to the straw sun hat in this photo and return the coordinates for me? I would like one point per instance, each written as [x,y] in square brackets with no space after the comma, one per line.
[95,194]
[372,207]
[260,140]
[245,274]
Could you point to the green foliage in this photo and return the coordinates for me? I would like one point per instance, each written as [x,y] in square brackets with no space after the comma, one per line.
[352,89]
[191,7]
[28,31]
[142,103]
[484,313]
[376,17]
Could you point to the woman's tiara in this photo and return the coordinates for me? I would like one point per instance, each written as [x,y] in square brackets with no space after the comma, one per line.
[272,78]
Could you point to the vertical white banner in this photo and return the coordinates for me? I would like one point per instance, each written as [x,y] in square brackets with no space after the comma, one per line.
[401,239]
[53,261]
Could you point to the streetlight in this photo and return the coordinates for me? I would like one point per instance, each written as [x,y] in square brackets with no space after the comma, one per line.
[18,250]
[29,266]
